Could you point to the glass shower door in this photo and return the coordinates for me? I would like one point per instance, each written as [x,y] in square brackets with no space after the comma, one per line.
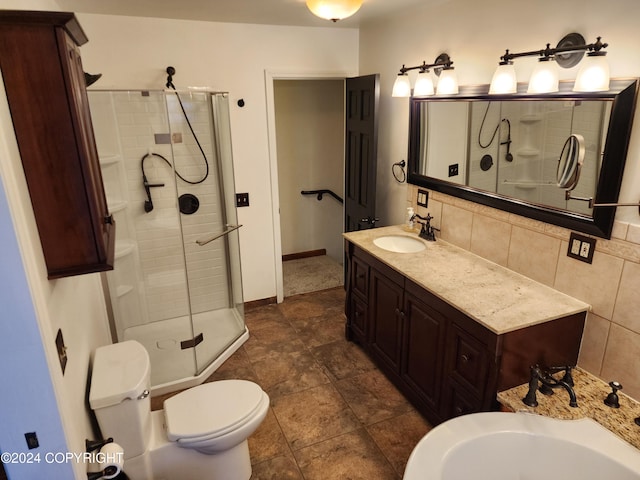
[208,221]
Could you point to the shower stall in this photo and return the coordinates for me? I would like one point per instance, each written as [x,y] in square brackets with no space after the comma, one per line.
[168,175]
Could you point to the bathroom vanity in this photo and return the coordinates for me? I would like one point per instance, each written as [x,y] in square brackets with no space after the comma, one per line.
[449,328]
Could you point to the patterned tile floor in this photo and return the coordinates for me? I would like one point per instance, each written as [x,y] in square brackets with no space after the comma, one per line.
[333,415]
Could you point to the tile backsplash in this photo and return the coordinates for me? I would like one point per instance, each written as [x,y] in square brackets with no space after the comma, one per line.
[611,342]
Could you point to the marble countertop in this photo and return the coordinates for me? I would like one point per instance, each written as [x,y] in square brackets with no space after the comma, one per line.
[494,296]
[590,394]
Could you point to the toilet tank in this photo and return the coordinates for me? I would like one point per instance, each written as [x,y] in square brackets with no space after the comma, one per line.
[119,395]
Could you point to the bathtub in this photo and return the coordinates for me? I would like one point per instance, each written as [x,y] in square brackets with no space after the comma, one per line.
[521,446]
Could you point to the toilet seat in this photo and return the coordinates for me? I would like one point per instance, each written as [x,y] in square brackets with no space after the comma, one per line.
[210,410]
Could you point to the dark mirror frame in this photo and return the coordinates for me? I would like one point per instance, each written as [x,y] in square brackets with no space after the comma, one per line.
[624,94]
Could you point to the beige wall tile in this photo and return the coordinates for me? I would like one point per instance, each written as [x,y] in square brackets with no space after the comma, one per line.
[595,283]
[490,239]
[456,226]
[594,342]
[633,233]
[627,304]
[619,230]
[622,360]
[533,254]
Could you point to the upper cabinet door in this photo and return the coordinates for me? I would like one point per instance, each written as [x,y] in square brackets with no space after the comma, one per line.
[44,82]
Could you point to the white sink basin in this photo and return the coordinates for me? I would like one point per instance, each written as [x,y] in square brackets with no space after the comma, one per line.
[399,244]
[508,446]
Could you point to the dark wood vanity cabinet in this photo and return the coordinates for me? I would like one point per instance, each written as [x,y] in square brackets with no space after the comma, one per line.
[444,362]
[45,88]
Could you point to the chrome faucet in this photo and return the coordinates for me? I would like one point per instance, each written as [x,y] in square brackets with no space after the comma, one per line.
[549,383]
[426,231]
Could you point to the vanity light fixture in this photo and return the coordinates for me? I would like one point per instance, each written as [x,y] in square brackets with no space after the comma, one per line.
[442,67]
[334,10]
[593,75]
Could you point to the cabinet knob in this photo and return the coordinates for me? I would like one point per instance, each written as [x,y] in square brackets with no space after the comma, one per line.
[465,358]
[108,219]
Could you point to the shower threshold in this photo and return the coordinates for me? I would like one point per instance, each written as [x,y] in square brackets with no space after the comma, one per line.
[173,368]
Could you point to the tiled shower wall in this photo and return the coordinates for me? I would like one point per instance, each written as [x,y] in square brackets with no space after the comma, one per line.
[159,233]
[611,342]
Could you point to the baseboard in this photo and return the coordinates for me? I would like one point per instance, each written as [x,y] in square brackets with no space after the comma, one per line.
[260,303]
[307,254]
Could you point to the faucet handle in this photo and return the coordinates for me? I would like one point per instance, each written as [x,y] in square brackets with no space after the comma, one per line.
[612,399]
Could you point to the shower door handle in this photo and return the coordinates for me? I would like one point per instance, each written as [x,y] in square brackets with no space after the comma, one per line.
[204,241]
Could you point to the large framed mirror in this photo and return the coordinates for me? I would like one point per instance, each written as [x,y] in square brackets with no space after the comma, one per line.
[510,151]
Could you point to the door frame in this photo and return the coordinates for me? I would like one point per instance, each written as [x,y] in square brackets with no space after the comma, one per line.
[270,76]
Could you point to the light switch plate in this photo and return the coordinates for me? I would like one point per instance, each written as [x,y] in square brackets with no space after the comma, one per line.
[581,247]
[423,198]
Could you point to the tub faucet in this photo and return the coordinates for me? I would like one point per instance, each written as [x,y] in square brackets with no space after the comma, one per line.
[426,231]
[549,383]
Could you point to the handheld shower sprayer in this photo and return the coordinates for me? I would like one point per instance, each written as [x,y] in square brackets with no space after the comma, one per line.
[148,203]
[509,156]
[170,73]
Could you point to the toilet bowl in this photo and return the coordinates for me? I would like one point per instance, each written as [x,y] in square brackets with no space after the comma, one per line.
[200,434]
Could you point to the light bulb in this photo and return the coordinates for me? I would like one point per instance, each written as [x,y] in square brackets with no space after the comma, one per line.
[544,78]
[593,75]
[424,84]
[402,86]
[504,79]
[448,82]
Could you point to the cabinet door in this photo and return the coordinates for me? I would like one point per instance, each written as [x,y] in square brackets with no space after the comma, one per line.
[385,313]
[81,119]
[423,349]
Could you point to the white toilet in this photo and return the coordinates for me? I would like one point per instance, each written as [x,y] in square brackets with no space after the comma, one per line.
[201,433]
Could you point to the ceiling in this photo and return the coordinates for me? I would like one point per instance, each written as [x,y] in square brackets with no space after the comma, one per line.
[271,12]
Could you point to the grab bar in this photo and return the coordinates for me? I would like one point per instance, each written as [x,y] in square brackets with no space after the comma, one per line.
[320,193]
[206,240]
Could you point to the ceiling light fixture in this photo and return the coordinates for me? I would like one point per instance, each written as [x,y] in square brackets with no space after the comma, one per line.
[593,75]
[334,10]
[442,67]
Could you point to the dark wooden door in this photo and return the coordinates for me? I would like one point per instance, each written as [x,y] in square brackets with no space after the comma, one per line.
[361,152]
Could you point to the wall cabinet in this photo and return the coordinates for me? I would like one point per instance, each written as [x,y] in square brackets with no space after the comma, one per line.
[45,87]
[444,362]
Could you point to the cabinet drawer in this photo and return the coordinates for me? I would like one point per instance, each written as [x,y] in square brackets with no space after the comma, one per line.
[458,401]
[358,320]
[468,361]
[360,277]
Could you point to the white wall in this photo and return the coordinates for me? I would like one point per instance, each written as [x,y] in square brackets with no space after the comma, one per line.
[227,57]
[475,34]
[36,396]
[310,138]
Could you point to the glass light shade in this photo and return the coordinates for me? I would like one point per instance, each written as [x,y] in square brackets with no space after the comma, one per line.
[593,75]
[504,80]
[334,10]
[545,78]
[448,82]
[424,84]
[402,86]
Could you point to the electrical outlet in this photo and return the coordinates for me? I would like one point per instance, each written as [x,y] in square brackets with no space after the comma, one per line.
[581,247]
[242,199]
[453,170]
[423,198]
[575,246]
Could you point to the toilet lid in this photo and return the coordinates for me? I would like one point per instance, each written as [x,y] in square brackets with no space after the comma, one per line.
[211,408]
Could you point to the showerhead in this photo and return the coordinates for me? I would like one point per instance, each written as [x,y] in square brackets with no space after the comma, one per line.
[170,73]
